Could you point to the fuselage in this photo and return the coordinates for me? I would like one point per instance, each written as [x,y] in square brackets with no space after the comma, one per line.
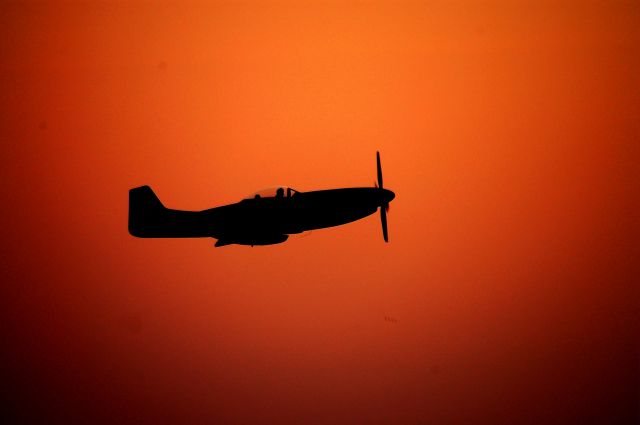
[301,212]
[266,219]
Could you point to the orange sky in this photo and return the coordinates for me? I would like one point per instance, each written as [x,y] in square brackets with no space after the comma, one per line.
[509,134]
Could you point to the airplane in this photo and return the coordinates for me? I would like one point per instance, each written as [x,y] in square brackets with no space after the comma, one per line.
[265,218]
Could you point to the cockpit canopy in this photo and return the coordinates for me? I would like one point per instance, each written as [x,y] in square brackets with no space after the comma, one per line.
[274,192]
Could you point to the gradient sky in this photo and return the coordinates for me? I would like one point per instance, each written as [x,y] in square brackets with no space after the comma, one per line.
[510,134]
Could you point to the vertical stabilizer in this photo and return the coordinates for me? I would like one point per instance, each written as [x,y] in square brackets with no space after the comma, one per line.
[145,211]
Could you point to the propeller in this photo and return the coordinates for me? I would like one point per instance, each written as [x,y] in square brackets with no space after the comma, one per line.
[383,219]
[384,208]
[379,170]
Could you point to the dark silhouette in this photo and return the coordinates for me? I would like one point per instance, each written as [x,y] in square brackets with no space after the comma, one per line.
[259,220]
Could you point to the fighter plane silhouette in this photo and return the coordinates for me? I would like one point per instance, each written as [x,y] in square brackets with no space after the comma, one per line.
[262,219]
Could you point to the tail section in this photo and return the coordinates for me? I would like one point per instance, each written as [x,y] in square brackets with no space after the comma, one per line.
[145,212]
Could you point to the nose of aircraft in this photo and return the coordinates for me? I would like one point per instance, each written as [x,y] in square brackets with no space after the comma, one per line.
[386,196]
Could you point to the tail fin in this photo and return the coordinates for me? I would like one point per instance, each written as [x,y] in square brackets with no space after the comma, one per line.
[145,211]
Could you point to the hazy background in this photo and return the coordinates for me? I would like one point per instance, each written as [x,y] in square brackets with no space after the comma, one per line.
[509,133]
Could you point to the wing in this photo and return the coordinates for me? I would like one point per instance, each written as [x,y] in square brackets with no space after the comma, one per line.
[255,239]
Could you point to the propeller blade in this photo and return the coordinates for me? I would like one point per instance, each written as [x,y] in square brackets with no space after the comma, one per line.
[379,170]
[383,219]
[386,207]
